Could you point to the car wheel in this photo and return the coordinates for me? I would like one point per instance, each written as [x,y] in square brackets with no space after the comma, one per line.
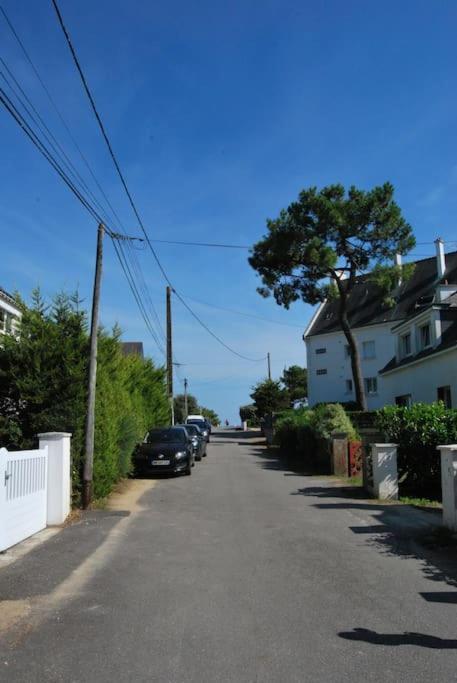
[189,470]
[198,458]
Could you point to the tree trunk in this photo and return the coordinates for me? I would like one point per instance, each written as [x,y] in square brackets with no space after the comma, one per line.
[354,351]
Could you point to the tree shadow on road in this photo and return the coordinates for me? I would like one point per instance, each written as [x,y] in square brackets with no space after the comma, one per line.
[396,639]
[394,529]
[271,458]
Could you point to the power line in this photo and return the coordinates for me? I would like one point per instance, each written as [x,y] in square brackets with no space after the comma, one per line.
[44,151]
[247,315]
[11,109]
[127,191]
[202,244]
[66,160]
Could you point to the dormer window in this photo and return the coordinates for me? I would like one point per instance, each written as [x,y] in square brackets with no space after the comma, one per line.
[425,336]
[405,345]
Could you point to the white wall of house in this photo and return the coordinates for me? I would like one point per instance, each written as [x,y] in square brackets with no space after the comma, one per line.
[9,317]
[333,385]
[421,379]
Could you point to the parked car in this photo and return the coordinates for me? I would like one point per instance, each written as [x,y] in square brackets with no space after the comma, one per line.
[197,438]
[165,449]
[201,422]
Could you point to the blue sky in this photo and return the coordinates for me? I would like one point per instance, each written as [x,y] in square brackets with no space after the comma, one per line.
[220,113]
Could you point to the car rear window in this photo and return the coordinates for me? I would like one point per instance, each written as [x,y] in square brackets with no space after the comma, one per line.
[166,436]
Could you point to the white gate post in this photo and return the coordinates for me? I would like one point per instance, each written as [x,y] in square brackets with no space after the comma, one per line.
[3,454]
[59,475]
[385,473]
[449,484]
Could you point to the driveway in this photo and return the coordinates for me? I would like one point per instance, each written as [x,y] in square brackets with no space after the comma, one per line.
[246,571]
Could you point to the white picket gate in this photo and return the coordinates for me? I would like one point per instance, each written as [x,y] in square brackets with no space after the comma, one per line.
[23,494]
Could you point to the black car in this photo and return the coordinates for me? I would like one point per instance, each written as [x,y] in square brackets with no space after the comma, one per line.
[197,438]
[203,426]
[165,449]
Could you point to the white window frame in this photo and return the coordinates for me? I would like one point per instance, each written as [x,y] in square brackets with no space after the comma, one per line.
[421,340]
[365,344]
[374,382]
[403,352]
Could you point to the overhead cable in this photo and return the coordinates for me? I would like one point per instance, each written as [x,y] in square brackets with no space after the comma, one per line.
[127,191]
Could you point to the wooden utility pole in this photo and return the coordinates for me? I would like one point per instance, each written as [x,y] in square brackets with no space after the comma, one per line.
[269,365]
[186,408]
[170,356]
[90,417]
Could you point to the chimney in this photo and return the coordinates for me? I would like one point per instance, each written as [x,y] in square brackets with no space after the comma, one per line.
[398,264]
[440,258]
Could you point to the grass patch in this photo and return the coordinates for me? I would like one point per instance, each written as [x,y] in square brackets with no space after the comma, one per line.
[423,503]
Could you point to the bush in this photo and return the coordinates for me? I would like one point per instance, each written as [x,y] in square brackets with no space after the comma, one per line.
[43,387]
[329,418]
[418,430]
[307,432]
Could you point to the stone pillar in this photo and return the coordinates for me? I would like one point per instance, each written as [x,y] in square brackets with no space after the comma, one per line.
[449,484]
[340,454]
[59,475]
[385,473]
[244,425]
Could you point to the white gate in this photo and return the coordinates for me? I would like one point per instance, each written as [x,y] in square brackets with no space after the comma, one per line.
[23,494]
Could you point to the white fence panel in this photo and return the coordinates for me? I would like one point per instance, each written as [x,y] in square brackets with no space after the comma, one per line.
[23,494]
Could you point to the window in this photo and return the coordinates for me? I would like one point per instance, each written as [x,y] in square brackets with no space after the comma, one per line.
[349,386]
[425,336]
[8,323]
[404,400]
[368,350]
[371,385]
[321,350]
[405,345]
[321,371]
[444,394]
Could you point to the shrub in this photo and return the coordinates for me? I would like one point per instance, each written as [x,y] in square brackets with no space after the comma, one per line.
[418,430]
[329,418]
[291,429]
[43,387]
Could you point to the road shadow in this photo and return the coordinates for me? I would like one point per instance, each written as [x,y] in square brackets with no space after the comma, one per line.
[44,568]
[395,639]
[271,458]
[394,529]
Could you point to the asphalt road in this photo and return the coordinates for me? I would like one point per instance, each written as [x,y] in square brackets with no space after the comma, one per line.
[245,571]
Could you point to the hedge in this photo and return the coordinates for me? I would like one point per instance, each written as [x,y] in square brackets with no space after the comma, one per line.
[418,430]
[43,388]
[305,432]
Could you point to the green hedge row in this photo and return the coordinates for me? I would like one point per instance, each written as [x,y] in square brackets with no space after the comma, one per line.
[43,379]
[418,430]
[305,432]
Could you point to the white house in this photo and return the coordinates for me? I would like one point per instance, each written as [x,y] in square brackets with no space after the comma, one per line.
[424,367]
[10,315]
[378,328]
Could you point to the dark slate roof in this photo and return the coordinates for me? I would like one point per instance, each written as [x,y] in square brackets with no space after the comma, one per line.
[448,340]
[366,305]
[7,297]
[132,348]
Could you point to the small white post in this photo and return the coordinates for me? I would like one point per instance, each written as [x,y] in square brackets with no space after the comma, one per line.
[449,484]
[385,473]
[244,424]
[59,475]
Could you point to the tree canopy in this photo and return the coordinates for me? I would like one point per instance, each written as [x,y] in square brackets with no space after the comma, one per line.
[295,380]
[180,410]
[321,242]
[268,397]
